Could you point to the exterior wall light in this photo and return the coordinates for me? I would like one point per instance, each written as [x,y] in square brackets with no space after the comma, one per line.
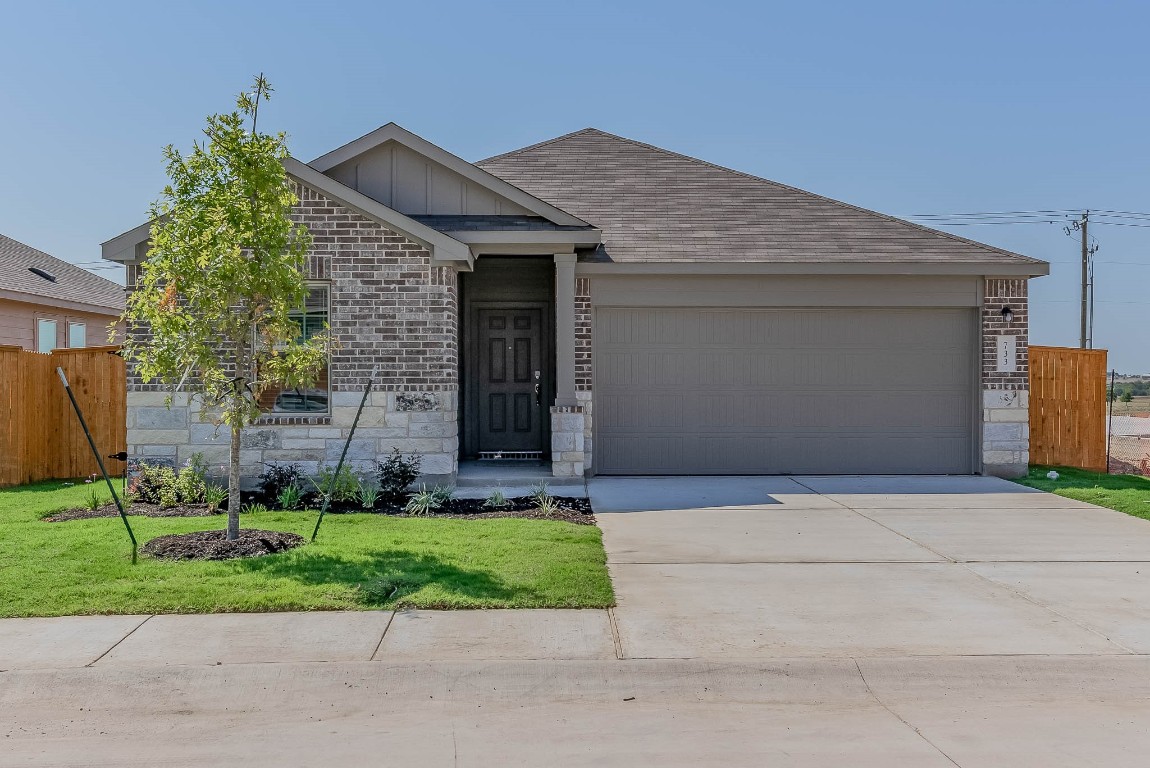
[1007,315]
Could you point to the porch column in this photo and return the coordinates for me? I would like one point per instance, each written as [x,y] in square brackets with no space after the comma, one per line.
[565,329]
[566,415]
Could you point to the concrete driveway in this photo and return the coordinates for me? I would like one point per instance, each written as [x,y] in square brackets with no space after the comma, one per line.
[759,568]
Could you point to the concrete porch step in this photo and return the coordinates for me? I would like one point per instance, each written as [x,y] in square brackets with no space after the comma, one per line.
[478,479]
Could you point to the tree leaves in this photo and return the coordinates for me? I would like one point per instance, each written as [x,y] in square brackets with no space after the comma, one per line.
[224,271]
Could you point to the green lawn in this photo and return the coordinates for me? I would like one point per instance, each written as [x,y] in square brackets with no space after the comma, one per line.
[1125,493]
[359,562]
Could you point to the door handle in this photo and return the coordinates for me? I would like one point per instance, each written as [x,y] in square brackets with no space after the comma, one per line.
[537,399]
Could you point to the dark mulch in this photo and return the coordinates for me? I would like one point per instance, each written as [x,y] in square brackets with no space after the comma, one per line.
[213,545]
[145,510]
[571,510]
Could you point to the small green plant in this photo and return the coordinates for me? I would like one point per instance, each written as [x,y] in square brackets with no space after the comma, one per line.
[540,491]
[543,499]
[290,498]
[424,502]
[342,487]
[255,507]
[443,494]
[93,501]
[548,505]
[214,496]
[276,477]
[496,500]
[396,474]
[367,495]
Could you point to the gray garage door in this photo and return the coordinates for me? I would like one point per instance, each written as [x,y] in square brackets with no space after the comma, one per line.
[758,391]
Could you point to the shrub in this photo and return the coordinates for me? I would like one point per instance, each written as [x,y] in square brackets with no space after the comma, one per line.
[496,500]
[396,474]
[154,484]
[191,481]
[342,487]
[277,477]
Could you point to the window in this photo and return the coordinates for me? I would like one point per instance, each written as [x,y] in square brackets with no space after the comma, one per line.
[312,320]
[45,334]
[77,335]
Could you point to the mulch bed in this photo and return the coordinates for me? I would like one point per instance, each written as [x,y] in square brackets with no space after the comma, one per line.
[571,510]
[144,510]
[214,545]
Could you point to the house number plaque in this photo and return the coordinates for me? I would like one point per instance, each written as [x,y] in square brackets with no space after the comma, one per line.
[1007,354]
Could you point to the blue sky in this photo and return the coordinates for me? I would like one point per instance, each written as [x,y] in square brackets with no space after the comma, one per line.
[903,107]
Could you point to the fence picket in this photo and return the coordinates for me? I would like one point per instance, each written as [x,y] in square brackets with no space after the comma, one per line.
[1068,407]
[40,437]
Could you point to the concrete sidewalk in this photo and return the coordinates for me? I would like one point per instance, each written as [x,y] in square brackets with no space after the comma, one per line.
[335,636]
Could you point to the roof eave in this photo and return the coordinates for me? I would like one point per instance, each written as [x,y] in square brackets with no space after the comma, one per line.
[126,248]
[50,301]
[971,268]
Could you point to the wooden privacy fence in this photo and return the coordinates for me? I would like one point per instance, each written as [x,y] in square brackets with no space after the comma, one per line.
[1068,407]
[40,437]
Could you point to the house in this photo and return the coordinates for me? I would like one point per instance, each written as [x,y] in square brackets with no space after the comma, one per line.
[47,303]
[611,307]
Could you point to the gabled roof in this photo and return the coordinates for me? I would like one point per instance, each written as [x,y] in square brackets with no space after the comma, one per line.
[393,132]
[659,206]
[73,288]
[128,247]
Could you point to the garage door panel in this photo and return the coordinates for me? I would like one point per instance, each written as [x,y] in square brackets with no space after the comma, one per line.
[714,391]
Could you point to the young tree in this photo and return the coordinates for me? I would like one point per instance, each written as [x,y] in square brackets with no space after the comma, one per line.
[225,269]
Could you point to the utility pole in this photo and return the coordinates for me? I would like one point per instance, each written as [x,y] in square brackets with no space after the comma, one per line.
[1085,277]
[1086,335]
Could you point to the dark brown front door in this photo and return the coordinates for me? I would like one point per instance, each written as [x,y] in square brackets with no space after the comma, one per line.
[511,385]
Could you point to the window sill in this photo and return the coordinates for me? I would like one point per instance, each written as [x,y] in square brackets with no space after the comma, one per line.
[283,419]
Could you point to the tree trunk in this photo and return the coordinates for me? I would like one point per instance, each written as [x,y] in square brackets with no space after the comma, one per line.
[234,488]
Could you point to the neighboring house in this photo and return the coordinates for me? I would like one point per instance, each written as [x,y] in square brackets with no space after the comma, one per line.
[615,308]
[47,303]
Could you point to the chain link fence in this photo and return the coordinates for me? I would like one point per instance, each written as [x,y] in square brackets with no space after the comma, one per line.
[1128,425]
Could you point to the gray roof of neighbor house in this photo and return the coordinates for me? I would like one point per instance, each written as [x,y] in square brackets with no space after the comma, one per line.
[72,286]
[659,206]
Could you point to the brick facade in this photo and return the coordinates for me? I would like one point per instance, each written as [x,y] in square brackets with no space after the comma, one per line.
[998,294]
[389,307]
[582,333]
[1005,394]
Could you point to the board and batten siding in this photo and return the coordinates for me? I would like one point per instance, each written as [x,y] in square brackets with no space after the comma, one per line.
[405,180]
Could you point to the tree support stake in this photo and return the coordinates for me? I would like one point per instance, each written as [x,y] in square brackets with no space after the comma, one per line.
[347,443]
[100,460]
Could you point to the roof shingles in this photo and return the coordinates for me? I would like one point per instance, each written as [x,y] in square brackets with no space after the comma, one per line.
[658,206]
[73,284]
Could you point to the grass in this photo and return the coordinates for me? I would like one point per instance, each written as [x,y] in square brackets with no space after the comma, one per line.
[360,561]
[1125,493]
[1139,405]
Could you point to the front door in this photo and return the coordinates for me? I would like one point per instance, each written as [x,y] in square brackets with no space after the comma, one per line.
[511,387]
